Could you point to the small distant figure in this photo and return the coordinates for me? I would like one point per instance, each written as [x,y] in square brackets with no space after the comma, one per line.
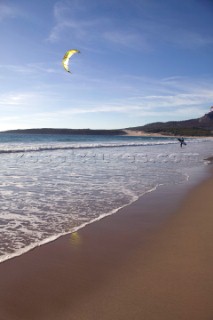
[182,142]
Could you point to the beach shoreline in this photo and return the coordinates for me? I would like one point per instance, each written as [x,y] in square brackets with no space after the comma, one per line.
[146,261]
[141,133]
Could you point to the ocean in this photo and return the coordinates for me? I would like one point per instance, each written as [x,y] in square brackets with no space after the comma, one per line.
[52,185]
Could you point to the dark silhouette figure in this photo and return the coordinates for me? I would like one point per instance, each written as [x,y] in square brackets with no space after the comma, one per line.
[182,141]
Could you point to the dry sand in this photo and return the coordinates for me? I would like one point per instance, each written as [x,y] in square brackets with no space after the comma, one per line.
[141,133]
[153,260]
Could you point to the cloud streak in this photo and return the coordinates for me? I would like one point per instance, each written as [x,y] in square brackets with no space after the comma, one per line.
[146,34]
[71,19]
[7,11]
[16,99]
[31,68]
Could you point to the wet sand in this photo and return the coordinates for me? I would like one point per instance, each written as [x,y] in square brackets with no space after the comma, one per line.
[152,260]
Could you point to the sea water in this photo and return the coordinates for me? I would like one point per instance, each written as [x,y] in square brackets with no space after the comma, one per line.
[51,185]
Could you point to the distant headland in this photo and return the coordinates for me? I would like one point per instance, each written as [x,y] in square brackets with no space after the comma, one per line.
[66,131]
[202,126]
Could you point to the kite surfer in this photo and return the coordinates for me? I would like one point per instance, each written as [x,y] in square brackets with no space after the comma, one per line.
[182,141]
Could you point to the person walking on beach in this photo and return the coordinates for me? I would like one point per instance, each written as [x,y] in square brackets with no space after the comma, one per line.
[182,141]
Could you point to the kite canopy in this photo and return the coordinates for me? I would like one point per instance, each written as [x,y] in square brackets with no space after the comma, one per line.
[66,58]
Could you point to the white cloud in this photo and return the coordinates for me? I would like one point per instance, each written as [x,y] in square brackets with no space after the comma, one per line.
[31,68]
[7,11]
[177,104]
[15,98]
[76,19]
[70,17]
[128,39]
[189,39]
[174,98]
[24,101]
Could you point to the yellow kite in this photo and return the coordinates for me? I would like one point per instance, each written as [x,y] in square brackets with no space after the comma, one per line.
[66,58]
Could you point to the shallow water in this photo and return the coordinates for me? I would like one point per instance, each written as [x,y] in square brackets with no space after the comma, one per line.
[54,184]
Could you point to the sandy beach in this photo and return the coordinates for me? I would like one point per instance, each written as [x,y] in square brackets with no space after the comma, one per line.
[141,133]
[152,260]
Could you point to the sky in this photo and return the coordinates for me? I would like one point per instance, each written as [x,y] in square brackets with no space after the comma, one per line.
[140,61]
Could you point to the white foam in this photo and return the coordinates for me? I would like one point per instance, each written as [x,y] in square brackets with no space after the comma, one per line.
[51,199]
[32,246]
[63,146]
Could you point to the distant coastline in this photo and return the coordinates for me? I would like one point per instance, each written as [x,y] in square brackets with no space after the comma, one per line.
[200,127]
[121,132]
[66,131]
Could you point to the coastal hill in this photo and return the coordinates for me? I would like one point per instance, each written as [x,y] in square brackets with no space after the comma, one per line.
[194,127]
[66,131]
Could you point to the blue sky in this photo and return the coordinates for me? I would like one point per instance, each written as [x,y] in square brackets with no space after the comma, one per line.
[141,61]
